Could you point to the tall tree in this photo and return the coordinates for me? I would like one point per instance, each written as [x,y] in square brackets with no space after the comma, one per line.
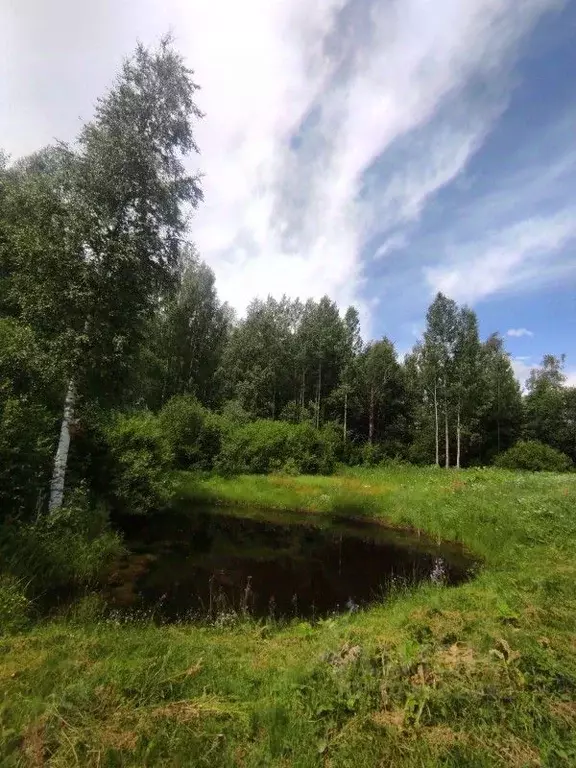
[348,382]
[501,400]
[544,403]
[127,202]
[438,363]
[189,335]
[380,382]
[468,375]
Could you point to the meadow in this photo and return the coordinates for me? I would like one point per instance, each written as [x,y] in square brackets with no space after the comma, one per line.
[483,674]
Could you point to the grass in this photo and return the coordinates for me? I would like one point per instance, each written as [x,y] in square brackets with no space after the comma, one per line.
[479,675]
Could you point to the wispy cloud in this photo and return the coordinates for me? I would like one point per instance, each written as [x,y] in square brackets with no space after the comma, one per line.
[522,254]
[329,123]
[519,332]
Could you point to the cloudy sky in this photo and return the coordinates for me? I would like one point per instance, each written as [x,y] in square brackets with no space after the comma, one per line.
[374,150]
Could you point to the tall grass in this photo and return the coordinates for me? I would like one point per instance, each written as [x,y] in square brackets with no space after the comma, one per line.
[483,674]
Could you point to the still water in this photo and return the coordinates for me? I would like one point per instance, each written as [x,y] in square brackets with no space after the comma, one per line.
[211,562]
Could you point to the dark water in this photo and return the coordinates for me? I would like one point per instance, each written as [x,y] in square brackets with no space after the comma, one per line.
[211,563]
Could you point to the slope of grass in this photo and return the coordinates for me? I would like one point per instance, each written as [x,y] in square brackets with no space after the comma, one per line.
[479,675]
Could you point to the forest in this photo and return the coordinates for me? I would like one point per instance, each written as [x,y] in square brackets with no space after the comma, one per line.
[126,383]
[109,315]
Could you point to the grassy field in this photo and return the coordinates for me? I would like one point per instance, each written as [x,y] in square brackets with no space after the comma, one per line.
[479,675]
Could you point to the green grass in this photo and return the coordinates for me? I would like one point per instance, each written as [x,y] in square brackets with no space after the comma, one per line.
[479,675]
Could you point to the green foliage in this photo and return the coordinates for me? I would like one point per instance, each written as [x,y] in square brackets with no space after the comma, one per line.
[481,675]
[372,454]
[234,413]
[14,604]
[68,547]
[181,421]
[27,423]
[266,446]
[192,432]
[142,461]
[26,444]
[534,456]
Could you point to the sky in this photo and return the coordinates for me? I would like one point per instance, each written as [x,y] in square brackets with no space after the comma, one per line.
[377,151]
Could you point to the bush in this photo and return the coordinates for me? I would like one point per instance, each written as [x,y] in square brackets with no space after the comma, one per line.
[181,421]
[14,604]
[70,546]
[266,446]
[27,432]
[372,454]
[142,460]
[534,456]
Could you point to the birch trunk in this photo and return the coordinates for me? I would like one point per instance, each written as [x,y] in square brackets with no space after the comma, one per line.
[61,457]
[458,438]
[437,426]
[318,395]
[345,414]
[447,436]
[371,417]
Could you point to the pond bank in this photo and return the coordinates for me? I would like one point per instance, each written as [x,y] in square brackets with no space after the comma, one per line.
[483,674]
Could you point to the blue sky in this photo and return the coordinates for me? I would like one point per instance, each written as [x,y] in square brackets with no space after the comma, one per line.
[373,150]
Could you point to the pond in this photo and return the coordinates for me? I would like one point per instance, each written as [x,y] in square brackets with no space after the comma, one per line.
[212,563]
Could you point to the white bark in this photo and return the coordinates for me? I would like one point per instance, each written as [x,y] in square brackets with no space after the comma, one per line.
[61,457]
[458,439]
[436,425]
[447,436]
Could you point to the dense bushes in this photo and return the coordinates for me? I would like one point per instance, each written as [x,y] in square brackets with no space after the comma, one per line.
[27,420]
[192,432]
[265,446]
[144,448]
[141,459]
[14,604]
[70,546]
[534,456]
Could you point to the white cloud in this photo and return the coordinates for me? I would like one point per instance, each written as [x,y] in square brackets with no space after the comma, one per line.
[516,256]
[521,369]
[571,378]
[360,81]
[519,332]
[361,77]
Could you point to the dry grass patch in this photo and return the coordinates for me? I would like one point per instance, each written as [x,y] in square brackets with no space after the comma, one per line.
[190,710]
[517,754]
[564,710]
[34,745]
[458,657]
[392,719]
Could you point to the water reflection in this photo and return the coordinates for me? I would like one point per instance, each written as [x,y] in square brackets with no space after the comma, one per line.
[212,564]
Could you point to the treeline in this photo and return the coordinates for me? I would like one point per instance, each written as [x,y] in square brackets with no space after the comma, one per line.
[118,361]
[453,400]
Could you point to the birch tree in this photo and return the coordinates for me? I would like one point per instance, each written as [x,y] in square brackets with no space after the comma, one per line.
[438,350]
[129,198]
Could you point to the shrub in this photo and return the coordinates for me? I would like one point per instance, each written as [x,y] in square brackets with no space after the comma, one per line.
[265,446]
[69,546]
[534,456]
[372,454]
[14,604]
[234,412]
[27,432]
[142,461]
[210,440]
[181,421]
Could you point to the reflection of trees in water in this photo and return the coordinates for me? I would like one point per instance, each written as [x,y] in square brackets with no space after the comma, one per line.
[221,565]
